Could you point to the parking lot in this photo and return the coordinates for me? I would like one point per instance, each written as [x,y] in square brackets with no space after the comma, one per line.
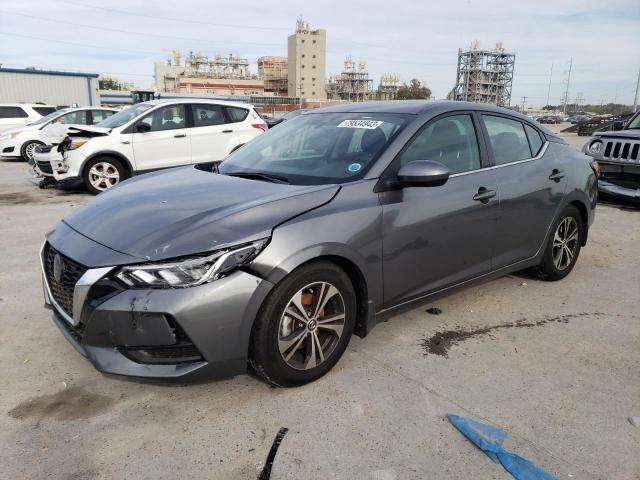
[557,365]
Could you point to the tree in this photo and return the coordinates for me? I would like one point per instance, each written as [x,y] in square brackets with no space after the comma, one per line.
[108,83]
[414,90]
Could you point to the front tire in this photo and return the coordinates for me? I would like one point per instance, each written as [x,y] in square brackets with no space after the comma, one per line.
[102,173]
[563,246]
[304,325]
[28,149]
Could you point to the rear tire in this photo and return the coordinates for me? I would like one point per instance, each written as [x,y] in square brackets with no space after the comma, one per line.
[28,149]
[292,345]
[102,173]
[563,247]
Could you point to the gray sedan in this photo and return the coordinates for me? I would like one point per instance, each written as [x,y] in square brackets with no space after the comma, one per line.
[312,232]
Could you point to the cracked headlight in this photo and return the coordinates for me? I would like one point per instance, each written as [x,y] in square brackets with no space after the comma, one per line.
[190,271]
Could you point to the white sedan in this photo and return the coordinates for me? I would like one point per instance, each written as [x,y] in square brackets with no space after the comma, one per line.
[21,142]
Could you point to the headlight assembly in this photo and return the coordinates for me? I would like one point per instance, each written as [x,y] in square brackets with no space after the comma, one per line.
[596,147]
[77,144]
[190,271]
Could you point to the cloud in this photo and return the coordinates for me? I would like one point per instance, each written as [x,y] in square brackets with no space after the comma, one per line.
[413,39]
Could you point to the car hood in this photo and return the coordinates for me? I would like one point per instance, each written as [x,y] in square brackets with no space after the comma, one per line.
[185,211]
[619,134]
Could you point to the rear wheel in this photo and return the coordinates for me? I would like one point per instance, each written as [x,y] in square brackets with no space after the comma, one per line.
[304,326]
[28,149]
[563,246]
[102,173]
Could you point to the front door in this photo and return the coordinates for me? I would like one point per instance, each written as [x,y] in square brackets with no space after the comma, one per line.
[212,136]
[531,183]
[434,237]
[167,143]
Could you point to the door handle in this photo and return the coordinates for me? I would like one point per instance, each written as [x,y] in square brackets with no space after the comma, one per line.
[557,175]
[227,131]
[180,135]
[484,195]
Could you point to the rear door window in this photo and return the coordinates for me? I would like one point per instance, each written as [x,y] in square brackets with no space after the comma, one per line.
[44,110]
[508,139]
[207,115]
[450,140]
[79,117]
[100,115]
[535,141]
[12,112]
[236,114]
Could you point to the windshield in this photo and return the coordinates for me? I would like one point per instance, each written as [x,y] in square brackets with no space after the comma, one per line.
[49,117]
[634,124]
[320,148]
[124,116]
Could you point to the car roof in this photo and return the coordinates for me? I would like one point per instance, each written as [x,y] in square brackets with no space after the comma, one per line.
[414,107]
[163,101]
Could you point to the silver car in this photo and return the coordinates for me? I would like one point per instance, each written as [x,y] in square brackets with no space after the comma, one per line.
[311,233]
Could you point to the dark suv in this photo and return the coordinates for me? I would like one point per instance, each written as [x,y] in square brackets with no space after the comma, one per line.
[618,153]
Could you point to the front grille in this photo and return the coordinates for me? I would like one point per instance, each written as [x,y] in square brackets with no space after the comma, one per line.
[62,291]
[45,166]
[623,150]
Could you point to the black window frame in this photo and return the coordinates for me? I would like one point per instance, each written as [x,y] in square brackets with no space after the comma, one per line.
[37,109]
[228,115]
[187,111]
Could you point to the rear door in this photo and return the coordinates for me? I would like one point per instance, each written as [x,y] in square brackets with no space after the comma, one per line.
[167,144]
[212,135]
[434,237]
[531,182]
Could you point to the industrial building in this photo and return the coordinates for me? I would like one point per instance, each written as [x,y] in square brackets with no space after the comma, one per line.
[352,84]
[484,76]
[48,86]
[219,75]
[388,86]
[274,72]
[306,51]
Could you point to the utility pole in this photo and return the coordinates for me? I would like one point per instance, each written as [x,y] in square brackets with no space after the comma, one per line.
[549,89]
[566,92]
[524,99]
[635,99]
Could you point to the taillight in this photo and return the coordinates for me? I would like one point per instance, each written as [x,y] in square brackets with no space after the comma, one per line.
[261,126]
[595,166]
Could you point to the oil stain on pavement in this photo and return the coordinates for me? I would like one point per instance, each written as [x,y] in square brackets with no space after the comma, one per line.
[440,342]
[69,404]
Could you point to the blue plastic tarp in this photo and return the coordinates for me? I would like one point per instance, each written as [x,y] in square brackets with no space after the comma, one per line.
[489,439]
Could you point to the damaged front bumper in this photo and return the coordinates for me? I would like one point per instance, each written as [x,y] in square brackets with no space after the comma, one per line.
[620,181]
[191,333]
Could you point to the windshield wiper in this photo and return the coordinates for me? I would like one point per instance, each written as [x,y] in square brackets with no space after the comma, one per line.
[269,177]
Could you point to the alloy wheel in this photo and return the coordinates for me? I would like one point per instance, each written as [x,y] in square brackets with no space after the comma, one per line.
[565,243]
[311,326]
[30,150]
[103,175]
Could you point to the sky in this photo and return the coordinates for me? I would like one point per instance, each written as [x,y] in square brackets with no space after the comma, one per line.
[413,38]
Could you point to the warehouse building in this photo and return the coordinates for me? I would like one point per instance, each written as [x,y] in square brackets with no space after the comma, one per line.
[48,86]
[306,50]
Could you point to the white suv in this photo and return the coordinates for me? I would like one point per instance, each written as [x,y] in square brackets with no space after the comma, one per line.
[22,141]
[18,114]
[153,135]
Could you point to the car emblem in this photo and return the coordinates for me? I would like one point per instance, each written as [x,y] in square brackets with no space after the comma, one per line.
[58,268]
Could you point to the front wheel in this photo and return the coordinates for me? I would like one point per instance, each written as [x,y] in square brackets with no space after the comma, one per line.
[102,173]
[304,326]
[563,246]
[28,149]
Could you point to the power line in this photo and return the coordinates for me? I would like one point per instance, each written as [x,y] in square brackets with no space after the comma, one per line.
[171,19]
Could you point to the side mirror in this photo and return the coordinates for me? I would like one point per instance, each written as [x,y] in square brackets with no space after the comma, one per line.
[422,173]
[142,127]
[618,125]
